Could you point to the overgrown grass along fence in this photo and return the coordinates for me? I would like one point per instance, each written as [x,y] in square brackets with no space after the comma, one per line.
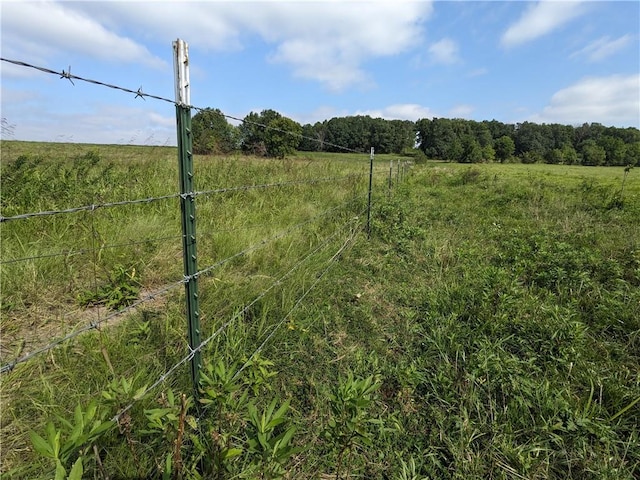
[91,238]
[488,329]
[260,250]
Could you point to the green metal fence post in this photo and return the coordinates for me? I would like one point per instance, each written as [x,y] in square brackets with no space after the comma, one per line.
[187,203]
[370,187]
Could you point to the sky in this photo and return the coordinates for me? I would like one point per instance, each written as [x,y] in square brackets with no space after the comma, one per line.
[551,61]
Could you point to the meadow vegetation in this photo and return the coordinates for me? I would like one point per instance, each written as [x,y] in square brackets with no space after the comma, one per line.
[488,328]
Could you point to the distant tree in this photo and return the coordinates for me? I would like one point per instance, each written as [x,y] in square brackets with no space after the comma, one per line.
[614,148]
[632,155]
[471,150]
[569,154]
[560,135]
[381,135]
[454,150]
[529,138]
[314,137]
[488,153]
[587,131]
[212,134]
[481,133]
[531,156]
[307,144]
[504,148]
[499,129]
[282,137]
[252,131]
[443,141]
[403,135]
[592,153]
[554,156]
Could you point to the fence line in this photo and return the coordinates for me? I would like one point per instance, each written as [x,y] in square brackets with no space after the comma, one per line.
[94,207]
[238,315]
[84,208]
[69,253]
[345,233]
[158,293]
[140,94]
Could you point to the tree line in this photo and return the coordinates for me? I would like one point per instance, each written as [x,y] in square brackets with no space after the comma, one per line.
[271,134]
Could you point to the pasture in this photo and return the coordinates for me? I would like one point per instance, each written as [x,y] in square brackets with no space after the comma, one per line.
[488,328]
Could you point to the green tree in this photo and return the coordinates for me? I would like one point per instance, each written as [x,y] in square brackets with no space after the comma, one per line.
[504,148]
[614,148]
[569,154]
[488,153]
[212,134]
[592,153]
[314,137]
[554,156]
[530,137]
[471,150]
[252,131]
[282,137]
[632,155]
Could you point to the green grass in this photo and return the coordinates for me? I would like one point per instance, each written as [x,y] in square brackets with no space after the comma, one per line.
[495,309]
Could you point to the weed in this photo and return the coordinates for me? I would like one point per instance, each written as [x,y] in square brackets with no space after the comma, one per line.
[121,290]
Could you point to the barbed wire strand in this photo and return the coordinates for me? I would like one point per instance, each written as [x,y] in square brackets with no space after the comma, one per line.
[304,295]
[140,94]
[69,76]
[223,327]
[69,253]
[93,325]
[281,234]
[90,208]
[94,207]
[269,185]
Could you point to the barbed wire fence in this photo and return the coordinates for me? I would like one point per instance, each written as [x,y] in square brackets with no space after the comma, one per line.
[349,217]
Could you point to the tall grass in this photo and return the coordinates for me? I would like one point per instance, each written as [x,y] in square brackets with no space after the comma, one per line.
[488,329]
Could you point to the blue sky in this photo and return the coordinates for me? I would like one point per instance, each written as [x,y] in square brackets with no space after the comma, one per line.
[551,61]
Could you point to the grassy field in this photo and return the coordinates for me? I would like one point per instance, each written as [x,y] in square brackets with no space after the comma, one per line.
[489,328]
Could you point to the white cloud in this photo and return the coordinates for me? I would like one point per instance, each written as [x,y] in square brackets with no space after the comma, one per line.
[41,28]
[401,111]
[324,41]
[444,51]
[603,47]
[102,124]
[612,100]
[320,114]
[461,111]
[540,19]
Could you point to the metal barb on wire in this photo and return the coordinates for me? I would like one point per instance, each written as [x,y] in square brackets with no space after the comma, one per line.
[67,75]
[91,207]
[144,96]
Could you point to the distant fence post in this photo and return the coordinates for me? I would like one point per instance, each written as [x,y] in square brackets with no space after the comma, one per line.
[390,173]
[187,203]
[370,187]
